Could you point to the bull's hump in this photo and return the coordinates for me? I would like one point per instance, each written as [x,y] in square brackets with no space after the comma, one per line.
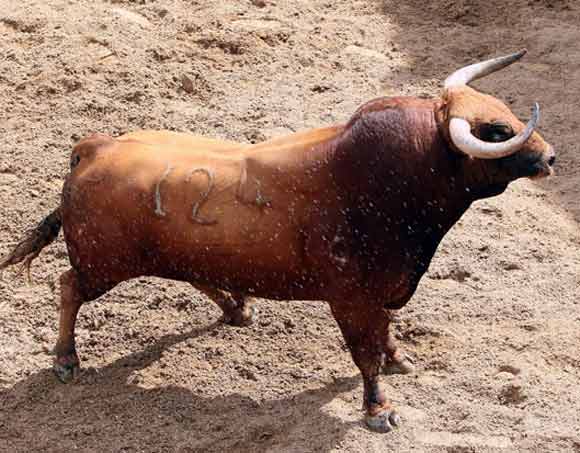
[401,103]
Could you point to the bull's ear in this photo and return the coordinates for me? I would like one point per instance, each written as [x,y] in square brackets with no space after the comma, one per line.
[495,132]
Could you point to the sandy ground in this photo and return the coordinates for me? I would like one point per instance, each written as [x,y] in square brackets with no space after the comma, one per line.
[494,326]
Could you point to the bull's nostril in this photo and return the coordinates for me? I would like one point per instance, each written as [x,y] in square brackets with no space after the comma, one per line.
[552,160]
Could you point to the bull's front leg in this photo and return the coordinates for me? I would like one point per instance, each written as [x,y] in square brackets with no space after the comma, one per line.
[365,330]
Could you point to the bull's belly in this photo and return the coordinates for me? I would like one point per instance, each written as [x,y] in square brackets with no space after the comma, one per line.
[266,268]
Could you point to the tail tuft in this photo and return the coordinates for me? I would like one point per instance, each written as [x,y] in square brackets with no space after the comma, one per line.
[32,244]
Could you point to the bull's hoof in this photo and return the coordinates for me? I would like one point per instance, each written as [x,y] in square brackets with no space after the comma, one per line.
[383,422]
[66,368]
[401,366]
[241,317]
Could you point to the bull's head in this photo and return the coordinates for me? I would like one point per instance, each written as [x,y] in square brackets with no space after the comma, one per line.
[483,127]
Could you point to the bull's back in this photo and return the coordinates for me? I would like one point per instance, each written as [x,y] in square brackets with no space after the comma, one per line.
[187,142]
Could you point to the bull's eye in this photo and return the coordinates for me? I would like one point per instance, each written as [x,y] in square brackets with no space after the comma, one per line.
[495,132]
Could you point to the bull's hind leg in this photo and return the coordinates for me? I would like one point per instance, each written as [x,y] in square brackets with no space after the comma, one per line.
[396,362]
[238,310]
[365,333]
[73,292]
[66,363]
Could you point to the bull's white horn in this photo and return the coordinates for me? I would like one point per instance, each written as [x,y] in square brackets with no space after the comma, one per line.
[475,71]
[465,141]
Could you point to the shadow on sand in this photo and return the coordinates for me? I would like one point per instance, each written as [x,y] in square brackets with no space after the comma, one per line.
[41,412]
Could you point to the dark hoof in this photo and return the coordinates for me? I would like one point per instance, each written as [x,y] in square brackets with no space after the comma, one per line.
[384,421]
[240,318]
[402,366]
[66,370]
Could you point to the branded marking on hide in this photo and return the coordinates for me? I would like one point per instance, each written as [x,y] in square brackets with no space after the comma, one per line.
[204,196]
[158,208]
[260,200]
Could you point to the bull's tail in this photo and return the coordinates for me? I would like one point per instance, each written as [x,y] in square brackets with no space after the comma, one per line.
[33,242]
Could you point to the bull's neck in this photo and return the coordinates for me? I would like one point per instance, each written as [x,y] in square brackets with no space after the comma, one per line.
[401,179]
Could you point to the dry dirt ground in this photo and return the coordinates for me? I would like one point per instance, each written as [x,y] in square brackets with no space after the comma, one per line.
[494,326]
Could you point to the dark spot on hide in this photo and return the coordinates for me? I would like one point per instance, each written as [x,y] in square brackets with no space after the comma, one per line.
[74,161]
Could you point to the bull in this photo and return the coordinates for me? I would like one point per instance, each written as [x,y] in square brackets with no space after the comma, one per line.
[350,214]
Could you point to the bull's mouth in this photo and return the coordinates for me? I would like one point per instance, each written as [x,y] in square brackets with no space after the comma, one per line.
[543,167]
[542,170]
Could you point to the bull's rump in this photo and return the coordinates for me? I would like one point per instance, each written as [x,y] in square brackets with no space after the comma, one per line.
[140,209]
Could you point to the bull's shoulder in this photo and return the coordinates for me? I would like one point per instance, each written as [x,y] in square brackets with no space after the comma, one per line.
[414,110]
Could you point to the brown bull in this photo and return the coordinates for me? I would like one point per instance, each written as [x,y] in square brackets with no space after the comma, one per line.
[350,214]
